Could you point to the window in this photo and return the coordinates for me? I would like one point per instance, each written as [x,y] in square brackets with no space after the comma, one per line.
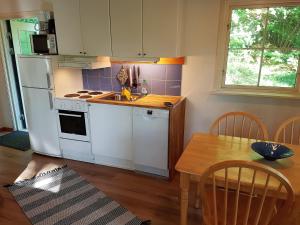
[24,39]
[262,47]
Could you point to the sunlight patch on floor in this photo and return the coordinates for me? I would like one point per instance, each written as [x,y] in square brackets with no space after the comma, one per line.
[33,169]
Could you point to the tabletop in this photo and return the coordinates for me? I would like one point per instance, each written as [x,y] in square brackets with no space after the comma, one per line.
[205,150]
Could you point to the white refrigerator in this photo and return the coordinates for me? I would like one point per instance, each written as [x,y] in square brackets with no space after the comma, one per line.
[37,81]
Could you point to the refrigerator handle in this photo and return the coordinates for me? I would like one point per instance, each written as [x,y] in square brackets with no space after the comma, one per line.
[48,80]
[50,99]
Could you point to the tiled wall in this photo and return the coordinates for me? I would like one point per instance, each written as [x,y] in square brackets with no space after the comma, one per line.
[161,79]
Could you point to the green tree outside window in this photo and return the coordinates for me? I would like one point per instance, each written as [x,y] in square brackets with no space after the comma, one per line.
[264,47]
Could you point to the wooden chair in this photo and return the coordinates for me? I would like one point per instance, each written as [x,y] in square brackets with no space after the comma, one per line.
[237,124]
[289,131]
[240,124]
[244,193]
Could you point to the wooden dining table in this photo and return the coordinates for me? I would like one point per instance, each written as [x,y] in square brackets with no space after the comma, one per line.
[204,150]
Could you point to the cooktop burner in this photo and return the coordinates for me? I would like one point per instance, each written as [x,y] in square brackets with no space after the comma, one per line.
[95,93]
[82,92]
[85,96]
[71,95]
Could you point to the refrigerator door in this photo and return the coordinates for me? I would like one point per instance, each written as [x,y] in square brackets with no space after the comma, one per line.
[41,120]
[36,72]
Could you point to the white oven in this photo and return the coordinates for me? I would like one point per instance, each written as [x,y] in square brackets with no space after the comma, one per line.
[73,125]
[74,129]
[72,119]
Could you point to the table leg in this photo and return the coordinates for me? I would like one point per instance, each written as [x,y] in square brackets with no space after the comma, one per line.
[184,197]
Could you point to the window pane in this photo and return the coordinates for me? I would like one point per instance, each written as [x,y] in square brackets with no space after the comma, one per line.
[243,67]
[247,28]
[283,30]
[25,44]
[279,68]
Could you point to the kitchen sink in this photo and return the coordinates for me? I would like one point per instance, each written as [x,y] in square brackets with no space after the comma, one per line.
[119,98]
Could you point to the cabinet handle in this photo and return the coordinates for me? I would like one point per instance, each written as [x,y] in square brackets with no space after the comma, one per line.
[144,54]
[48,80]
[81,52]
[50,100]
[149,112]
[85,53]
[139,54]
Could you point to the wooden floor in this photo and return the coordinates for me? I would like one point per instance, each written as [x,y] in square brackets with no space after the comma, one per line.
[148,197]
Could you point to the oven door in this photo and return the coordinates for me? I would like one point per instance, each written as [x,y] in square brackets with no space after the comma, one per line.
[73,125]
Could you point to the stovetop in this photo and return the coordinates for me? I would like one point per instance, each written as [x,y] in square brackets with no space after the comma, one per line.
[76,101]
[82,95]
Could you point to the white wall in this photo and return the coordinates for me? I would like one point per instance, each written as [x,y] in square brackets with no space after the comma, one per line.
[67,81]
[5,112]
[14,7]
[200,44]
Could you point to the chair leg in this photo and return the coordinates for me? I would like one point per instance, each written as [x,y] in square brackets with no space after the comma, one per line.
[197,203]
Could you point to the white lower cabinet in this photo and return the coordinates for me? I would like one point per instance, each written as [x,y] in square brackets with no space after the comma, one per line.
[150,140]
[130,137]
[111,135]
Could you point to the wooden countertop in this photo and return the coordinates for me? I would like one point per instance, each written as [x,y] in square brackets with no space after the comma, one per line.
[149,101]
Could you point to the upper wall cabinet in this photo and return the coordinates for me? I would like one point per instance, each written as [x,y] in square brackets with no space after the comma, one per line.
[161,28]
[126,27]
[83,27]
[146,28]
[67,22]
[95,27]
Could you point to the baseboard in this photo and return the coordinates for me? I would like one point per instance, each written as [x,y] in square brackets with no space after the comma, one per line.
[6,129]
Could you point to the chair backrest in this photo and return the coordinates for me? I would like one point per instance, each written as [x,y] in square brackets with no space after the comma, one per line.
[243,193]
[240,124]
[289,131]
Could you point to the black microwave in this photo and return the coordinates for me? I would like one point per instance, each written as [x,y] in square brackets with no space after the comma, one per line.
[44,44]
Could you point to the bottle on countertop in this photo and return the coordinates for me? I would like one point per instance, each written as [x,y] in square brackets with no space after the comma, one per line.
[144,88]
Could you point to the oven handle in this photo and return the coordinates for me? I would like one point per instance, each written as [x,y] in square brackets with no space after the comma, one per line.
[71,115]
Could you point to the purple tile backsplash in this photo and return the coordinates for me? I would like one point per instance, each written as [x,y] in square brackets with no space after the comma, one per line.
[161,79]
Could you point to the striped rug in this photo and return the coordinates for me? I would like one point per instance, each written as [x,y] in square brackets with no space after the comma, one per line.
[61,197]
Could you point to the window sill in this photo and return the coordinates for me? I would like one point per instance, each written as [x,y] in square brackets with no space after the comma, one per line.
[263,94]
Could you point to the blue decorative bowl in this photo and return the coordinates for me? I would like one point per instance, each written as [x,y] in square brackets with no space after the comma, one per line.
[272,151]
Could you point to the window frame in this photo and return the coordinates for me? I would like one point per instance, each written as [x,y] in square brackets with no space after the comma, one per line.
[227,6]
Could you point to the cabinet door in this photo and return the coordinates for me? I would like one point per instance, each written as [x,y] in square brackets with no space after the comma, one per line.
[43,132]
[67,22]
[95,27]
[126,27]
[111,132]
[161,28]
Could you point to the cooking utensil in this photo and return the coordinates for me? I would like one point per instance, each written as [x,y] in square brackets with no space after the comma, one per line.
[131,72]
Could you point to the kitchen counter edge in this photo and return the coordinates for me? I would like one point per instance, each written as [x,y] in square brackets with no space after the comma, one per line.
[149,101]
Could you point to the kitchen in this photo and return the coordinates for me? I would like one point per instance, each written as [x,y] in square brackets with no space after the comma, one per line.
[200,37]
[113,133]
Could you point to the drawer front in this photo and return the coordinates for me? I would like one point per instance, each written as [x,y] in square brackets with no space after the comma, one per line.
[77,150]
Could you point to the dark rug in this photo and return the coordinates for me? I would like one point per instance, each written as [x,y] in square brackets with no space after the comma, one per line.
[17,139]
[62,197]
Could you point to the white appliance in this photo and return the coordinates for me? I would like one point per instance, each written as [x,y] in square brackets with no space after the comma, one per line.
[72,119]
[36,76]
[74,125]
[150,140]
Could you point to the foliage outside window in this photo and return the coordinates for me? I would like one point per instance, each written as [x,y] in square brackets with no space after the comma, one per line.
[25,44]
[264,47]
